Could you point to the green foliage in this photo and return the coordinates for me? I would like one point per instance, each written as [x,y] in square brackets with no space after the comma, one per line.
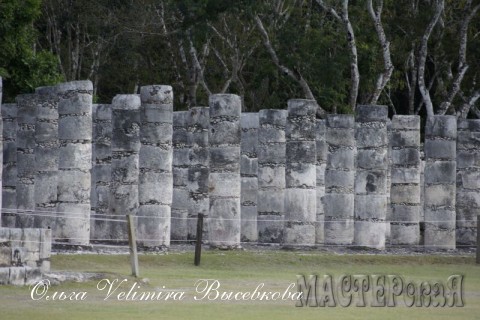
[22,68]
[123,44]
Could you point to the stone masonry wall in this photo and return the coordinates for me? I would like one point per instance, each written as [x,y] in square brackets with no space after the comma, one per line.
[276,177]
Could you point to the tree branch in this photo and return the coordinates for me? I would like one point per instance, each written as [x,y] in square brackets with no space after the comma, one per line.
[355,75]
[462,59]
[197,65]
[470,105]
[423,57]
[296,76]
[385,76]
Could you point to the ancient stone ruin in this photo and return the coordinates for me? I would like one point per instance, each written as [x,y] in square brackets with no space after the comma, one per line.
[273,177]
[24,255]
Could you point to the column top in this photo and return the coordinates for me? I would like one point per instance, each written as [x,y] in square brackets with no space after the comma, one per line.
[156,94]
[345,121]
[441,126]
[302,107]
[225,105]
[409,122]
[126,102]
[370,113]
[469,124]
[84,85]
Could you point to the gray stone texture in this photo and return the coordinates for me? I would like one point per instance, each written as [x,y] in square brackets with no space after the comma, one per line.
[339,180]
[198,123]
[371,177]
[248,172]
[25,247]
[46,157]
[224,179]
[125,147]
[440,181]
[321,163]
[1,148]
[405,181]
[9,176]
[74,162]
[300,174]
[181,152]
[389,182]
[271,175]
[25,140]
[101,171]
[155,185]
[468,181]
[24,255]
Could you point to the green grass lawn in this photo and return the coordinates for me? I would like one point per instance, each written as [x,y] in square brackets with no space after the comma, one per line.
[239,271]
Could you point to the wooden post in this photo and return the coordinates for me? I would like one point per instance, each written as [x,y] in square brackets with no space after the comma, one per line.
[198,244]
[478,239]
[132,241]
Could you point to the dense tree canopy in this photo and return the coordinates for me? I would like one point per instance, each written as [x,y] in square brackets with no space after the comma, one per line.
[21,65]
[417,56]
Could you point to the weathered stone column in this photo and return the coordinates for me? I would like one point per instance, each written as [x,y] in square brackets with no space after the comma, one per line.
[224,180]
[322,149]
[389,183]
[9,179]
[26,119]
[271,175]
[422,195]
[102,170]
[371,176]
[440,181]
[1,148]
[46,157]
[155,182]
[125,147]
[405,178]
[93,195]
[75,162]
[198,122]
[339,179]
[468,181]
[248,172]
[300,173]
[181,150]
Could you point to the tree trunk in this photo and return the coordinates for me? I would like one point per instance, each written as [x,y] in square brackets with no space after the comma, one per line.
[423,57]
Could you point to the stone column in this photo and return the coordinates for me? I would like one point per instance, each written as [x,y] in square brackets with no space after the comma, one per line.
[405,181]
[371,176]
[440,181]
[300,173]
[468,181]
[75,162]
[93,195]
[389,183]
[224,179]
[156,182]
[181,150]
[248,172]
[422,195]
[46,157]
[198,121]
[1,148]
[102,171]
[339,179]
[9,179]
[26,119]
[125,147]
[322,149]
[271,175]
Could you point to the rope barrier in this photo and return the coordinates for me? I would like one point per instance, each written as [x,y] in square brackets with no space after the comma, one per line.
[107,217]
